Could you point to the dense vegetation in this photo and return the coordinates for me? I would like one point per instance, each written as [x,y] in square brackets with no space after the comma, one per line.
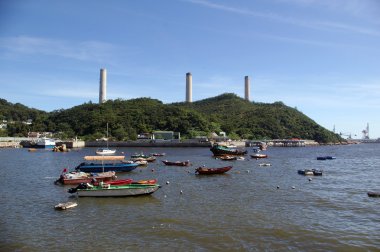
[126,118]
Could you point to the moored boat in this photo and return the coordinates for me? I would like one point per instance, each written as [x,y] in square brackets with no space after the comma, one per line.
[176,163]
[326,158]
[227,158]
[45,142]
[64,206]
[106,190]
[220,150]
[373,194]
[209,171]
[77,177]
[310,172]
[104,167]
[158,154]
[258,155]
[105,151]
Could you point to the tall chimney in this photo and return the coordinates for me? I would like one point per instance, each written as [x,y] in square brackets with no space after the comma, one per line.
[189,87]
[246,82]
[103,86]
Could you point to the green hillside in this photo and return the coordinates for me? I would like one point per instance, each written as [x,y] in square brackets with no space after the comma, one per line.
[126,118]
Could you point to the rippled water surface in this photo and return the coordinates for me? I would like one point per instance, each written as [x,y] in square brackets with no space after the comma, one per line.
[251,208]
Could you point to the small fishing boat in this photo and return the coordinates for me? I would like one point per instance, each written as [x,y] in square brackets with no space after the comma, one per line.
[64,206]
[310,172]
[265,164]
[259,155]
[220,150]
[106,190]
[326,158]
[158,154]
[77,177]
[177,163]
[228,158]
[209,171]
[373,194]
[147,159]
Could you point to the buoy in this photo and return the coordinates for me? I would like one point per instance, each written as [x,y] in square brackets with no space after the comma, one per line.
[165,196]
[181,192]
[167,182]
[247,171]
[152,170]
[310,179]
[278,187]
[293,187]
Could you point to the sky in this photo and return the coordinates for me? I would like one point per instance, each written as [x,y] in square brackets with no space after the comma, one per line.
[319,56]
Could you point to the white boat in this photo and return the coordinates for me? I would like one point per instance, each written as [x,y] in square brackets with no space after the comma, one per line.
[45,142]
[105,151]
[107,190]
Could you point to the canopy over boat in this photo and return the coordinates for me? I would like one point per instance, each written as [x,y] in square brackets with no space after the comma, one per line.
[104,158]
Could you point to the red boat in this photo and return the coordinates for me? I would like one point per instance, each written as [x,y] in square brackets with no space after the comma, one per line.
[75,177]
[177,163]
[129,181]
[209,171]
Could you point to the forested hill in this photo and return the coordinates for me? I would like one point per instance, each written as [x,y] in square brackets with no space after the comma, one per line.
[227,112]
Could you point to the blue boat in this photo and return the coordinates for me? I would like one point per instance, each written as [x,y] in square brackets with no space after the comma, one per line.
[116,167]
[121,166]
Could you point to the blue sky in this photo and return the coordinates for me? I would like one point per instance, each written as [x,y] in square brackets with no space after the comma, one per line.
[320,56]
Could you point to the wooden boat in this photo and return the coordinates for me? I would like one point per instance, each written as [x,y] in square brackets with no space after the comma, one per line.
[77,177]
[147,159]
[106,190]
[373,194]
[209,171]
[64,206]
[228,158]
[177,163]
[258,155]
[220,150]
[265,164]
[141,155]
[310,172]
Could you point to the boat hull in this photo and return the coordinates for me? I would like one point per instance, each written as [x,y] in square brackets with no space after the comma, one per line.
[118,191]
[210,171]
[222,151]
[118,167]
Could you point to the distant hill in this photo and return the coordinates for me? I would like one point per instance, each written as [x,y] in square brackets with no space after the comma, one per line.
[227,112]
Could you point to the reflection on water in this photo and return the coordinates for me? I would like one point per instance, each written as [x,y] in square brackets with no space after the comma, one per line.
[251,207]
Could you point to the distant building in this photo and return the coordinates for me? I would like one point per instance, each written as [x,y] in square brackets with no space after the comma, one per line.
[144,136]
[28,122]
[166,135]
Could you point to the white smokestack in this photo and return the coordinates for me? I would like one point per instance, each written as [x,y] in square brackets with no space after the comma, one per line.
[247,91]
[103,86]
[189,87]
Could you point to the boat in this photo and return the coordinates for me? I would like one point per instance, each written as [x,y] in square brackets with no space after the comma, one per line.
[228,158]
[129,181]
[104,167]
[106,190]
[105,151]
[265,164]
[220,150]
[310,172]
[209,171]
[326,158]
[177,163]
[64,206]
[44,142]
[158,154]
[147,159]
[141,155]
[373,194]
[259,155]
[77,177]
